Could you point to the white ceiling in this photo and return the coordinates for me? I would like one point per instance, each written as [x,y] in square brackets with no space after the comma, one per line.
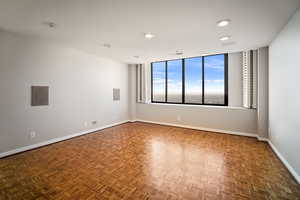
[187,25]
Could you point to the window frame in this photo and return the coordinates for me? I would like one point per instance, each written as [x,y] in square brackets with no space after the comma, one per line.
[183,81]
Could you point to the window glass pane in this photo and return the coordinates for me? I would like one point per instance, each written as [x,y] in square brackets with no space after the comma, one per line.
[214,85]
[174,81]
[193,80]
[159,81]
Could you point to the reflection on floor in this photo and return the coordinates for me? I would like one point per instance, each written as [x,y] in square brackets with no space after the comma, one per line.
[147,161]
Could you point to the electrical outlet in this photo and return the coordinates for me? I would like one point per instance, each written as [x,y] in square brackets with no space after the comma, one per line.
[178,118]
[32,134]
[86,124]
[94,122]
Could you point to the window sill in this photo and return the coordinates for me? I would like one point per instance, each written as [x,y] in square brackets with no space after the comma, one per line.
[201,106]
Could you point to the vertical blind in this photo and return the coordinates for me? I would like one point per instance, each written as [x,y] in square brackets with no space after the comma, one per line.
[250,62]
[140,83]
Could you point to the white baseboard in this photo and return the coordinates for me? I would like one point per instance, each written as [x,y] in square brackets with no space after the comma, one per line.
[262,139]
[26,148]
[285,162]
[200,128]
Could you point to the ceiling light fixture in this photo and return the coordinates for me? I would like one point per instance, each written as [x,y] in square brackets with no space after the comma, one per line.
[223,22]
[179,53]
[106,45]
[49,24]
[149,35]
[224,38]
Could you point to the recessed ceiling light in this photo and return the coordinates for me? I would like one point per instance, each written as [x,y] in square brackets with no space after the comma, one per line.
[224,38]
[106,45]
[223,22]
[149,35]
[49,24]
[179,53]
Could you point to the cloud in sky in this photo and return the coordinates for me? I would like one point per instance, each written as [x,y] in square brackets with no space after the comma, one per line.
[214,81]
[158,81]
[214,62]
[162,81]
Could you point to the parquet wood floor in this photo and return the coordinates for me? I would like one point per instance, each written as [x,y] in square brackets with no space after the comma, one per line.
[147,161]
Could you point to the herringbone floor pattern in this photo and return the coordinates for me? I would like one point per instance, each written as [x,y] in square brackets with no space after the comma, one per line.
[147,161]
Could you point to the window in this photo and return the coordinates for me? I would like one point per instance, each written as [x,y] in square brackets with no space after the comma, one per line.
[214,90]
[198,80]
[193,80]
[174,83]
[159,81]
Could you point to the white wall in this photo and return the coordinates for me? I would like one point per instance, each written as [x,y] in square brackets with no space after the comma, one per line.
[231,119]
[284,92]
[132,91]
[207,117]
[80,91]
[235,79]
[263,92]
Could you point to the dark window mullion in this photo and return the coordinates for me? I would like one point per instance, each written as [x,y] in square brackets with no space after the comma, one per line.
[183,80]
[151,82]
[203,102]
[226,79]
[166,70]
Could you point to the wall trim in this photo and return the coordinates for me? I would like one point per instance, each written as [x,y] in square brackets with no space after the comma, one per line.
[262,139]
[285,162]
[54,140]
[200,128]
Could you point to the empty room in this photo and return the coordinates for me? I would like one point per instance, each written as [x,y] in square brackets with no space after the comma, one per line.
[149,100]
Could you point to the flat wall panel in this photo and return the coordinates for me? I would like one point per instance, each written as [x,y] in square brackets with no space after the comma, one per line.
[40,95]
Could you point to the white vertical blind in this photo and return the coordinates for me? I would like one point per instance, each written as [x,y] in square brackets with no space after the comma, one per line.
[250,79]
[140,83]
[246,79]
[254,78]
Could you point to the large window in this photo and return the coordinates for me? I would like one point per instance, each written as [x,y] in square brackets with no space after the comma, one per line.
[174,83]
[198,80]
[159,81]
[214,79]
[193,80]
